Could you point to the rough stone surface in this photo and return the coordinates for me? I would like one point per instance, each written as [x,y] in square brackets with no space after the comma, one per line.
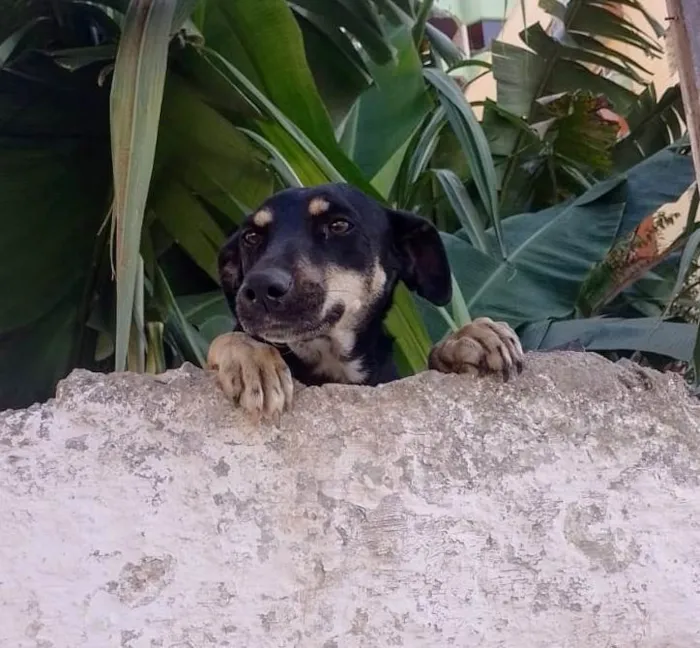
[562,509]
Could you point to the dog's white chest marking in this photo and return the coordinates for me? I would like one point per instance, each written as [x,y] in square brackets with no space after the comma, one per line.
[327,356]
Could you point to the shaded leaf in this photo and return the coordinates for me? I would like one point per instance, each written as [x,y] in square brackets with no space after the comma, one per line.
[653,126]
[464,208]
[471,136]
[189,224]
[54,195]
[551,253]
[568,59]
[398,98]
[359,18]
[648,335]
[339,72]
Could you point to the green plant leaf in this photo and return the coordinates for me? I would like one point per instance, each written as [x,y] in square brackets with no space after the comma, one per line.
[208,313]
[648,335]
[340,73]
[657,180]
[54,195]
[189,224]
[442,45]
[573,149]
[309,162]
[246,38]
[635,254]
[688,256]
[191,344]
[136,96]
[398,98]
[203,306]
[547,257]
[464,208]
[155,344]
[35,358]
[568,59]
[277,161]
[653,126]
[476,149]
[202,149]
[359,18]
[426,145]
[183,10]
[551,253]
[554,250]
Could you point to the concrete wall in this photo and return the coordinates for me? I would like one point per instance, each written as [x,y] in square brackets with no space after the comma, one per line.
[558,510]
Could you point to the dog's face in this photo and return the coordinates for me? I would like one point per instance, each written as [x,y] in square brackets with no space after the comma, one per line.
[314,261]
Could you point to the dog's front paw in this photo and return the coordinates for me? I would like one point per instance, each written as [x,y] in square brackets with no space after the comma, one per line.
[253,374]
[482,347]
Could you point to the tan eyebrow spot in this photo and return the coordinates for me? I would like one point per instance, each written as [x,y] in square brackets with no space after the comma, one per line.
[262,218]
[318,206]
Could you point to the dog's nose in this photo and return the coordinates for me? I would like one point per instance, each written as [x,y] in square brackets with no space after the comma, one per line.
[267,287]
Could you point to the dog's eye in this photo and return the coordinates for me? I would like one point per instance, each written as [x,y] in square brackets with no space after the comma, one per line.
[339,226]
[251,237]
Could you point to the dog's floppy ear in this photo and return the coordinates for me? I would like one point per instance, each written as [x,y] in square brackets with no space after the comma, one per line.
[230,269]
[423,264]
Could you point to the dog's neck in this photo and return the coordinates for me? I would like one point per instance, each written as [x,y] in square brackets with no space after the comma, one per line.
[361,358]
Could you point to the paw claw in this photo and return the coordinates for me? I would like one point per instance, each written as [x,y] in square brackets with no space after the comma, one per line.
[253,374]
[482,347]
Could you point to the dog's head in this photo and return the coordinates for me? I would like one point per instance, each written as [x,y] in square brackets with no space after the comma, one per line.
[314,260]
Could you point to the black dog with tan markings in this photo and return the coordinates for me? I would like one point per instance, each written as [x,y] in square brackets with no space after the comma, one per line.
[309,278]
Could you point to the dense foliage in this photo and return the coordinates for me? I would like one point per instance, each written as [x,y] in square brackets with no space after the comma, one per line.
[134,136]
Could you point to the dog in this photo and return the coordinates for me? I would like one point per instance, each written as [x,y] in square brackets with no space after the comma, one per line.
[309,277]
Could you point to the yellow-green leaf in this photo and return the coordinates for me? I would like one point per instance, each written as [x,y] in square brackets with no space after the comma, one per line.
[135,103]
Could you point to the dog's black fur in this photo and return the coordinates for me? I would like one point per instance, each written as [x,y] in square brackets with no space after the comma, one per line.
[313,271]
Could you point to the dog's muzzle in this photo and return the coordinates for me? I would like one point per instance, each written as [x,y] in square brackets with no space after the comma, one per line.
[270,305]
